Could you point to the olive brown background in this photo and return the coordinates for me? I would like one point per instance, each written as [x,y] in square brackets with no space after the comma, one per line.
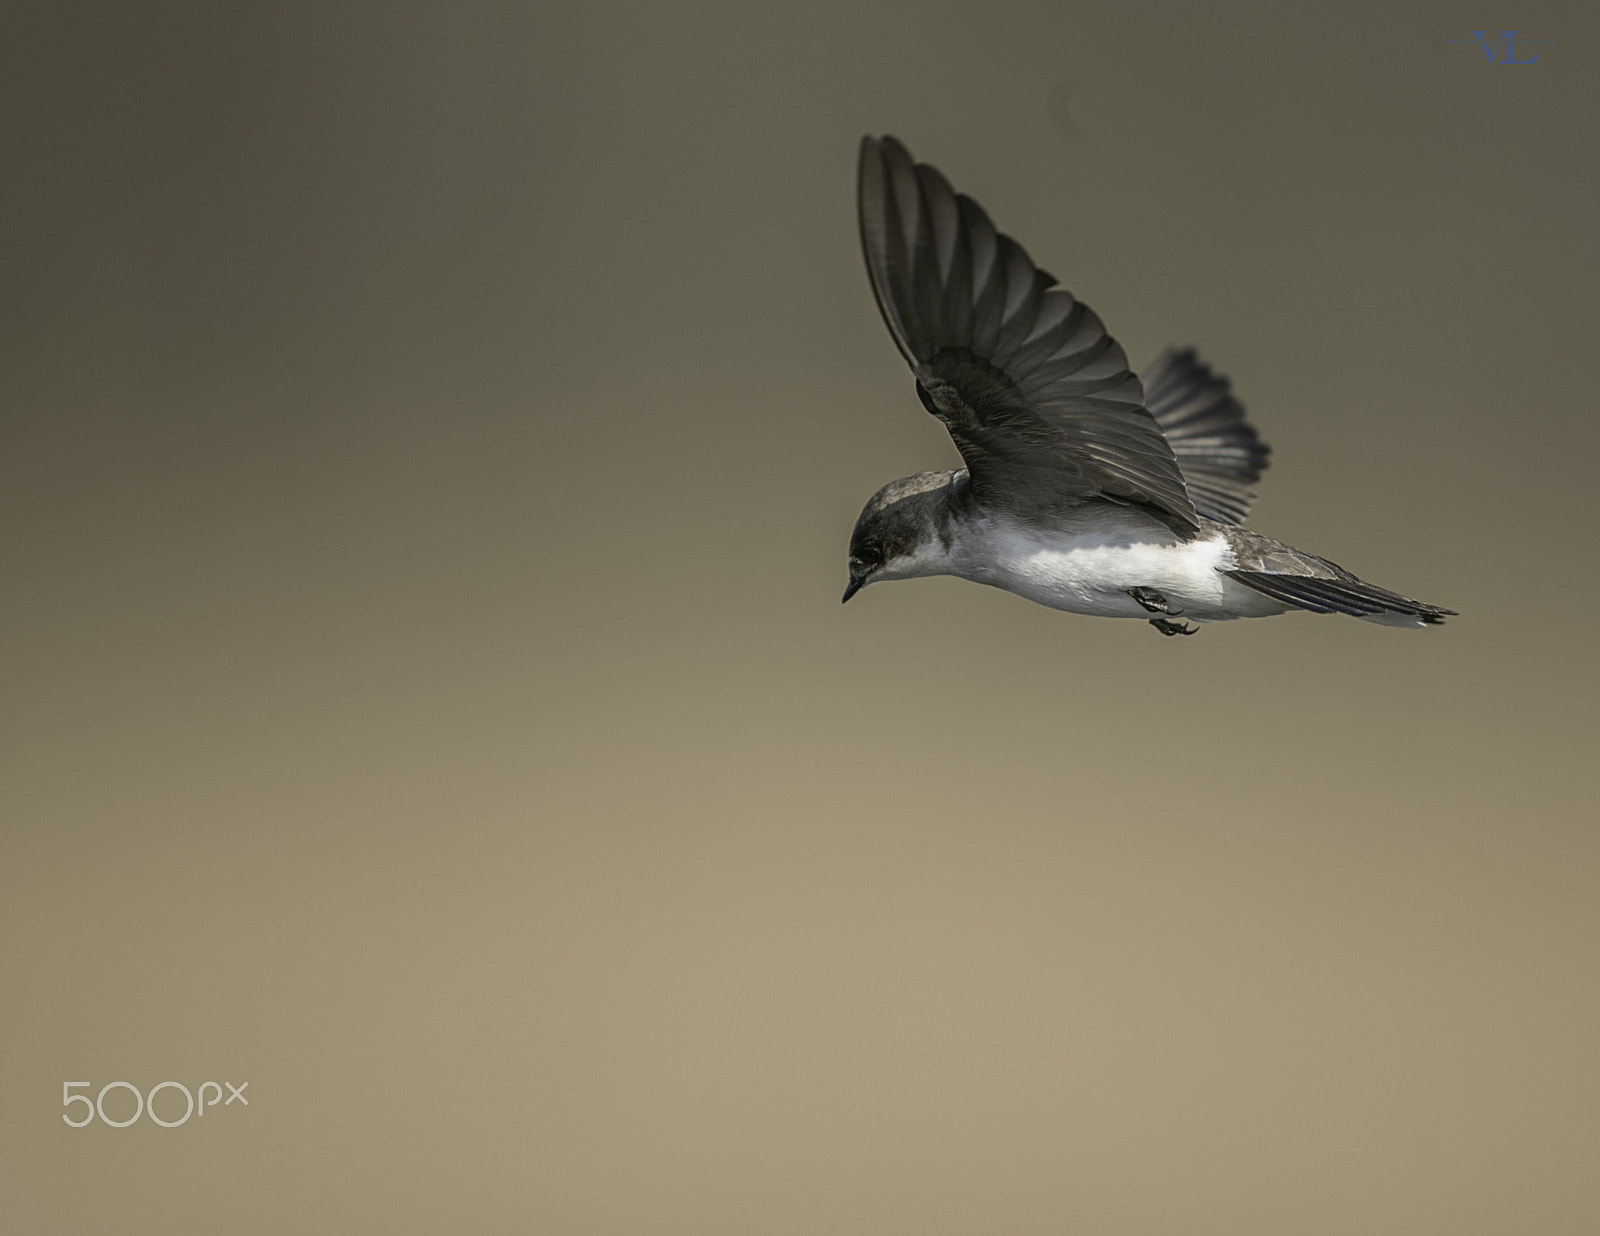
[429,440]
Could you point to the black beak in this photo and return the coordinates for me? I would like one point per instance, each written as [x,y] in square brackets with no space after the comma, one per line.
[854,587]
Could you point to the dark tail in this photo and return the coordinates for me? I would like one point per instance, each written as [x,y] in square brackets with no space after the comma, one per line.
[1351,596]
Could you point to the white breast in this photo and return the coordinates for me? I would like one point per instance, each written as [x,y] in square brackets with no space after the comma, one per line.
[1090,570]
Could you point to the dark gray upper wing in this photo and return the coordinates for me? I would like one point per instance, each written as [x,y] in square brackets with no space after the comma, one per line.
[1219,451]
[1039,399]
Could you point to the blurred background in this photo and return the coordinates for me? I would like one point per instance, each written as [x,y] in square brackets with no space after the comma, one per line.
[429,440]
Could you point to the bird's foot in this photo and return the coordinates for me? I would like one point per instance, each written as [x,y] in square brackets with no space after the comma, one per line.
[1153,601]
[1168,627]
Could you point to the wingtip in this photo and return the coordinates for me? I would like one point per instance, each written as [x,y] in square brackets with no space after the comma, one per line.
[887,151]
[869,163]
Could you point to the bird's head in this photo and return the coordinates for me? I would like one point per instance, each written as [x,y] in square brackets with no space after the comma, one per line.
[900,533]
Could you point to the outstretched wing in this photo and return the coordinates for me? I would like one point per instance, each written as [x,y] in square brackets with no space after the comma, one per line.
[1037,396]
[1219,451]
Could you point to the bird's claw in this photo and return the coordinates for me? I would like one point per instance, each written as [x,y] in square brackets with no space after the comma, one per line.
[1152,600]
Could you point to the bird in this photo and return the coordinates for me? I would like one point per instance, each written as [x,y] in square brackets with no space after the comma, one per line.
[1085,488]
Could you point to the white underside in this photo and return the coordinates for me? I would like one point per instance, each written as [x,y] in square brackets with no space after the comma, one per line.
[1090,571]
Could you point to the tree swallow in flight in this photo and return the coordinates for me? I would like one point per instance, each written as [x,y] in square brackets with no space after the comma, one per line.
[1085,489]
